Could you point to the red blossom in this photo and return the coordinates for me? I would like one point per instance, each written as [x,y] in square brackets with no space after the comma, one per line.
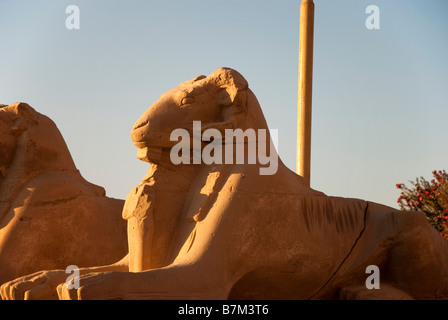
[430,198]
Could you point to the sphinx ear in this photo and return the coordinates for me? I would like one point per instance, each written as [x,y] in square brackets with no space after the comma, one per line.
[230,91]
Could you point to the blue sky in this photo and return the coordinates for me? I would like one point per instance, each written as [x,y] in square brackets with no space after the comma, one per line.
[380,97]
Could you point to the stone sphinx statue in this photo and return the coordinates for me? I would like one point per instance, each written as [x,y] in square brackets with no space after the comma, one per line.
[50,216]
[223,230]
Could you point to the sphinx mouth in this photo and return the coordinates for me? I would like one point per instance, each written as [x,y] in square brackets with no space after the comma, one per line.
[140,144]
[140,134]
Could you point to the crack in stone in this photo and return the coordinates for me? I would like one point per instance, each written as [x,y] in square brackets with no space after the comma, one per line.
[348,254]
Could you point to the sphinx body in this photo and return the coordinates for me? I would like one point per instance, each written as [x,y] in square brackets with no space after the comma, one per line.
[222,230]
[50,216]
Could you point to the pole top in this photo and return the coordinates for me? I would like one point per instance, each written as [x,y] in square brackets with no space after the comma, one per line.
[307,3]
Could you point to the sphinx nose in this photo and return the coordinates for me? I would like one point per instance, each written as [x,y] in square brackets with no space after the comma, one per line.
[140,123]
[145,118]
[140,131]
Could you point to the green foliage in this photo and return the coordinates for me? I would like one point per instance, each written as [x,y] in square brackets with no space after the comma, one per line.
[428,197]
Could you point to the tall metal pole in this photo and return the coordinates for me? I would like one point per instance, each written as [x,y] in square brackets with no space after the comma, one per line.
[305,89]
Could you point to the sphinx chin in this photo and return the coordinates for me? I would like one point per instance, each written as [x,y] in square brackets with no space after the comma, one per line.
[149,154]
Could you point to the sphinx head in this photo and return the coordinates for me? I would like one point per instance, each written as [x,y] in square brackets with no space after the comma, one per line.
[219,101]
[15,119]
[30,143]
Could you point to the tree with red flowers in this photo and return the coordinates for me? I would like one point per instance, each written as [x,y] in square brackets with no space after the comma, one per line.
[430,198]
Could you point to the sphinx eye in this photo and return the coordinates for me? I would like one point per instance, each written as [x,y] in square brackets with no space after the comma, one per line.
[187,100]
